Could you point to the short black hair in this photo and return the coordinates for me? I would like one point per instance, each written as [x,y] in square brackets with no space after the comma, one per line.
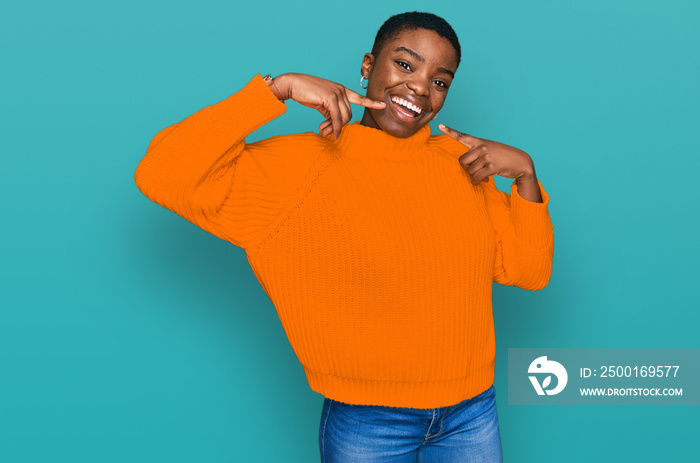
[415,20]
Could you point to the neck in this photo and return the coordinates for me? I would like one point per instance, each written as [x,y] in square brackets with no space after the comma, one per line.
[368,120]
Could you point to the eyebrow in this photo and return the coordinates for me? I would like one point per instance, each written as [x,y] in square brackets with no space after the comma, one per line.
[420,58]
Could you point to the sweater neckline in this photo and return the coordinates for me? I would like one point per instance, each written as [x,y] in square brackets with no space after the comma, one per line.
[358,140]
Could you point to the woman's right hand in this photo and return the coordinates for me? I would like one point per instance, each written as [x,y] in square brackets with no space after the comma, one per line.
[331,99]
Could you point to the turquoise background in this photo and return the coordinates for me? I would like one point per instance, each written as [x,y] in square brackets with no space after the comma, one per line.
[128,334]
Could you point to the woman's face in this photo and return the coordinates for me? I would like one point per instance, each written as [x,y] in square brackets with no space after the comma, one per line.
[417,67]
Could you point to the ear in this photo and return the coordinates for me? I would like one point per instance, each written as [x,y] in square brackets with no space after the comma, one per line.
[367,63]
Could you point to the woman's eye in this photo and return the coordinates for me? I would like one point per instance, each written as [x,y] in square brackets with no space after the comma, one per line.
[403,65]
[441,83]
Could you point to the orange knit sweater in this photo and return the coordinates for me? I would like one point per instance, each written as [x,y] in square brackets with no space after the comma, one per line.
[377,252]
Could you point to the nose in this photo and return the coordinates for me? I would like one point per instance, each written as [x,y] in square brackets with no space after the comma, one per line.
[418,84]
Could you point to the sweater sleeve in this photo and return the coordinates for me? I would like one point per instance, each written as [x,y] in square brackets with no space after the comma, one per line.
[525,239]
[191,167]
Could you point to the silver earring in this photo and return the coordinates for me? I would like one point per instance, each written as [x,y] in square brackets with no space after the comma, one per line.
[361,79]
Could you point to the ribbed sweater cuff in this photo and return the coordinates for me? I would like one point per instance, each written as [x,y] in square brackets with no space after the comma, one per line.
[249,108]
[531,220]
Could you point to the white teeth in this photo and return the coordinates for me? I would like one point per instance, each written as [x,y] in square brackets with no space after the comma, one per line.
[405,103]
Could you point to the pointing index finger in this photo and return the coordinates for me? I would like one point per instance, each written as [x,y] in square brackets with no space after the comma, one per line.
[356,98]
[463,138]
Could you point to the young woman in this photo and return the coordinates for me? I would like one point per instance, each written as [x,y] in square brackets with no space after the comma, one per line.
[376,242]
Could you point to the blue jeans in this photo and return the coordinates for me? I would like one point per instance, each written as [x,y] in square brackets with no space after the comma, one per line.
[464,432]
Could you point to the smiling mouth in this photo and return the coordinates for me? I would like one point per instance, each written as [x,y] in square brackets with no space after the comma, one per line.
[403,113]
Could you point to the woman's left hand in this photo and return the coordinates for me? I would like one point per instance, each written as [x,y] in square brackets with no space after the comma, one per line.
[488,157]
